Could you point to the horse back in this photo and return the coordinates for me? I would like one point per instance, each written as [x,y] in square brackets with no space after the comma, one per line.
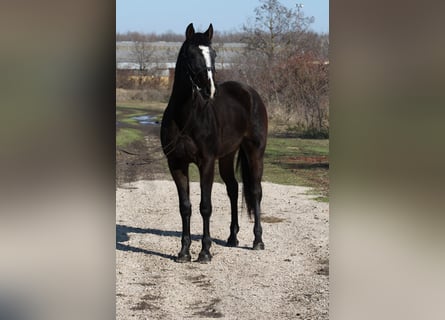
[241,111]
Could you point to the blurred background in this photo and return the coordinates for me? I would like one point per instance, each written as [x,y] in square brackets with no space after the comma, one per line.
[57,152]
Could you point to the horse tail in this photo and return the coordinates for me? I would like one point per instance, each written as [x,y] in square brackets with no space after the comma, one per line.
[246,175]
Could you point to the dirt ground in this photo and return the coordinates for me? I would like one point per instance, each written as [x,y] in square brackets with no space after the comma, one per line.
[287,280]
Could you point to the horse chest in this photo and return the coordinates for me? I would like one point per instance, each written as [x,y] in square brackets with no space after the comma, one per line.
[193,146]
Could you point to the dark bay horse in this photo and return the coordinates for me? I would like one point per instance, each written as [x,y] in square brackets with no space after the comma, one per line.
[203,122]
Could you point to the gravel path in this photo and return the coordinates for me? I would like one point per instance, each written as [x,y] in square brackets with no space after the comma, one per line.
[288,280]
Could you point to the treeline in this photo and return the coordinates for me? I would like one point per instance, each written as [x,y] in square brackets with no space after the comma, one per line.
[223,37]
[311,41]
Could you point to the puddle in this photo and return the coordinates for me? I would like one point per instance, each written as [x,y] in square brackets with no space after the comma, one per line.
[147,120]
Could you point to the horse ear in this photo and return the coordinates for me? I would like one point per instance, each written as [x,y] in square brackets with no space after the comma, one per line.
[209,32]
[189,32]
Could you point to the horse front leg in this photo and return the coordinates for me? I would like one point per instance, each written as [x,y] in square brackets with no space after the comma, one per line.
[179,173]
[206,171]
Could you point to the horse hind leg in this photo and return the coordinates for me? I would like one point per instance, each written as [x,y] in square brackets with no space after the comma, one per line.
[251,159]
[258,243]
[227,173]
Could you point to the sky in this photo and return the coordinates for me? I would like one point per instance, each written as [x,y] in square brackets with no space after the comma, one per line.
[160,16]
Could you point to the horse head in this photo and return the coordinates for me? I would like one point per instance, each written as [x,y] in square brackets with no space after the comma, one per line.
[199,58]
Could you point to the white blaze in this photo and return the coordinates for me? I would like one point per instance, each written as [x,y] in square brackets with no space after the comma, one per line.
[206,53]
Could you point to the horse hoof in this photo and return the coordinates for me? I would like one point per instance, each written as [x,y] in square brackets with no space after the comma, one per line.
[232,242]
[182,258]
[204,257]
[258,246]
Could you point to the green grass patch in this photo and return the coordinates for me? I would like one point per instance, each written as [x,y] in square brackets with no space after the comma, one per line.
[298,162]
[128,120]
[154,106]
[282,147]
[127,136]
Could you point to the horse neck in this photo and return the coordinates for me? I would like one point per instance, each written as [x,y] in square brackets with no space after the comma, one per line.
[182,86]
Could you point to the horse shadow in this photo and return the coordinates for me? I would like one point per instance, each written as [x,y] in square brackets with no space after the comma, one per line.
[122,235]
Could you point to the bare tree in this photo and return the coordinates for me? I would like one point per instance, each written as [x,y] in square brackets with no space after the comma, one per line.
[287,63]
[141,52]
[304,86]
[276,33]
[276,29]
